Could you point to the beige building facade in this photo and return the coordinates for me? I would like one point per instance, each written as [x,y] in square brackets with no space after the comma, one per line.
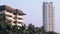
[11,15]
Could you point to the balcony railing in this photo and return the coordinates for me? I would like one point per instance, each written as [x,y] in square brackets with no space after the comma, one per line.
[9,13]
[20,16]
[20,20]
[19,24]
[9,18]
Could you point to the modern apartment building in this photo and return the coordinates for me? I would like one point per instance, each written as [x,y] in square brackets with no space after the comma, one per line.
[11,15]
[48,16]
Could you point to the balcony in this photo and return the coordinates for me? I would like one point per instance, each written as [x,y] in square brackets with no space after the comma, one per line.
[8,13]
[20,16]
[20,20]
[9,18]
[19,24]
[17,16]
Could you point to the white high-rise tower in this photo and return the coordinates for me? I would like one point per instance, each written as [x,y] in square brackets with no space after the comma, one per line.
[48,16]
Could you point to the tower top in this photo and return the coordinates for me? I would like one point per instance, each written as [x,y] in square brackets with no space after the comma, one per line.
[47,0]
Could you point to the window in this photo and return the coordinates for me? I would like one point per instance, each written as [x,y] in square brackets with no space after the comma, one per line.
[15,18]
[15,22]
[15,13]
[1,14]
[0,10]
[19,14]
[10,11]
[9,15]
[20,18]
[20,22]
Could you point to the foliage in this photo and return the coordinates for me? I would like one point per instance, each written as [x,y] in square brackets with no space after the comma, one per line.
[31,29]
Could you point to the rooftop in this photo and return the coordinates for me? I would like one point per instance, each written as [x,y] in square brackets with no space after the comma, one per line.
[8,8]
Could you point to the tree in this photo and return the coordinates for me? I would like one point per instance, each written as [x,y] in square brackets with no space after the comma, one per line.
[31,29]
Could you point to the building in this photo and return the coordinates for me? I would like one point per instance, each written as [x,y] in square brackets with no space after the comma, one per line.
[11,15]
[48,16]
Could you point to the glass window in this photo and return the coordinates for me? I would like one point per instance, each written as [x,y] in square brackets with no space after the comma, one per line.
[20,22]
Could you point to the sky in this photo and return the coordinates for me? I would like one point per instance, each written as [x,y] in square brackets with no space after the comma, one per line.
[33,10]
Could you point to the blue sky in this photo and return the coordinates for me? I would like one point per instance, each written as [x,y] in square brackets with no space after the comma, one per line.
[33,9]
